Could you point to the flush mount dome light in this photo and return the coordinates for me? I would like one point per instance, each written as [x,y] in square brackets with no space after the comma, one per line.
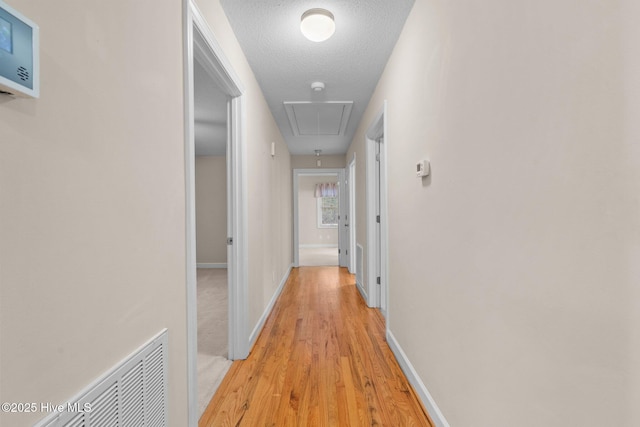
[317,24]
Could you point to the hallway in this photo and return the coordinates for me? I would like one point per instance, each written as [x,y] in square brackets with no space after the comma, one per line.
[321,360]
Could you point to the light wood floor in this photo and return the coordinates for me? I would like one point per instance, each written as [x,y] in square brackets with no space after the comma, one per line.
[321,360]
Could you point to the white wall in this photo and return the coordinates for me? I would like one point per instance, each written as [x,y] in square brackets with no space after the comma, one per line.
[310,234]
[310,161]
[269,180]
[514,272]
[92,202]
[211,209]
[92,223]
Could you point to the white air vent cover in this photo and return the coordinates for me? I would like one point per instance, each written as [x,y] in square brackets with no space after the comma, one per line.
[133,394]
[319,118]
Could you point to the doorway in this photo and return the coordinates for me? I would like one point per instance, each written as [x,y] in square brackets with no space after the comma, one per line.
[205,57]
[212,228]
[377,219]
[319,205]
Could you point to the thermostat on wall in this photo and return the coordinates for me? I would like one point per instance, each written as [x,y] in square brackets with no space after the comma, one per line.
[19,53]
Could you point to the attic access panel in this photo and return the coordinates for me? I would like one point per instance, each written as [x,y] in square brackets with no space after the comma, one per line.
[318,118]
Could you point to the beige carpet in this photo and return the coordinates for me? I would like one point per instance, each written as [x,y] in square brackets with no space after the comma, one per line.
[212,332]
[317,256]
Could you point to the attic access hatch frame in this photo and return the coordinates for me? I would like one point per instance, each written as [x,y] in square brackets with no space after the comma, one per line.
[341,109]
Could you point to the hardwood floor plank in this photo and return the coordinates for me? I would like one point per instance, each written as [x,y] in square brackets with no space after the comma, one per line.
[321,360]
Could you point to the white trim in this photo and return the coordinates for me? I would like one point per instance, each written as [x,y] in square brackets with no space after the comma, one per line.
[362,290]
[211,265]
[351,191]
[190,255]
[377,129]
[360,273]
[200,45]
[370,152]
[384,222]
[214,62]
[343,234]
[239,250]
[297,173]
[416,382]
[319,245]
[263,319]
[289,107]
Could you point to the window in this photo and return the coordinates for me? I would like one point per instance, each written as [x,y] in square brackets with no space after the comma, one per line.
[327,212]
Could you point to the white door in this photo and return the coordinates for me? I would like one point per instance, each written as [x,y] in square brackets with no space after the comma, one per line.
[378,246]
[343,237]
[230,217]
[351,217]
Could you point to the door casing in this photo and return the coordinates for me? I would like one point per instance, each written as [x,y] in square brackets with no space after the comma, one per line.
[377,243]
[201,45]
[351,215]
[342,238]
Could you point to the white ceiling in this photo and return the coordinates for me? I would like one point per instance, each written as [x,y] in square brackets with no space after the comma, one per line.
[285,63]
[210,111]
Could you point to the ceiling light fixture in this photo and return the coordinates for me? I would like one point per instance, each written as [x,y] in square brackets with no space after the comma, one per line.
[317,24]
[317,86]
[318,161]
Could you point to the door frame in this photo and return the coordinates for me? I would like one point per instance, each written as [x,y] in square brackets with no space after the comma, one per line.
[377,295]
[351,216]
[339,173]
[200,44]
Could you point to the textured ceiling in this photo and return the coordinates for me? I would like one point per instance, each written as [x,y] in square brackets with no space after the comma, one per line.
[210,114]
[285,63]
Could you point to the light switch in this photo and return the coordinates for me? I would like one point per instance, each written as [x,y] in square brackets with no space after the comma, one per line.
[423,168]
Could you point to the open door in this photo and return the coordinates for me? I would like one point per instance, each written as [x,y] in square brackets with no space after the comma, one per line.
[343,224]
[377,219]
[351,214]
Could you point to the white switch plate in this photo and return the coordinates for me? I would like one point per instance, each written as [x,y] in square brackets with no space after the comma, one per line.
[423,168]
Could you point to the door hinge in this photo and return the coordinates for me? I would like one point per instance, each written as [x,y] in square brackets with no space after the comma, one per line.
[338,250]
[229,240]
[378,280]
[378,219]
[346,251]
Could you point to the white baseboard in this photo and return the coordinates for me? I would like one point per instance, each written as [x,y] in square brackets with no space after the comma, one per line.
[211,265]
[416,382]
[363,293]
[256,331]
[320,245]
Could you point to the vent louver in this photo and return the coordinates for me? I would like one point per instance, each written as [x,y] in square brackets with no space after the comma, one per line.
[133,394]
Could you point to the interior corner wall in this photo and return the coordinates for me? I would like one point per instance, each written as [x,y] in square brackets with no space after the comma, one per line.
[269,179]
[514,273]
[92,211]
[211,209]
[310,234]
